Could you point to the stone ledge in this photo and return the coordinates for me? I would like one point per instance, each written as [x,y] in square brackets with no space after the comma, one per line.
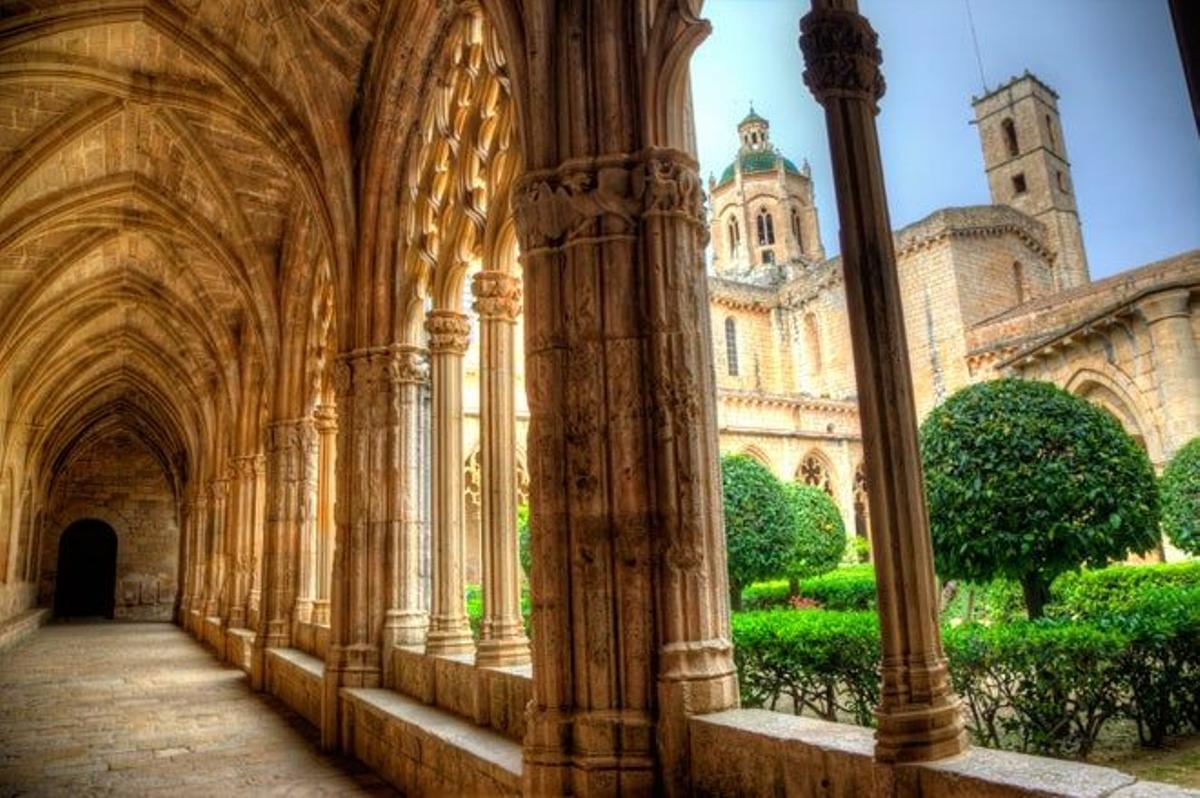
[238,647]
[755,752]
[213,633]
[492,697]
[14,630]
[425,750]
[296,679]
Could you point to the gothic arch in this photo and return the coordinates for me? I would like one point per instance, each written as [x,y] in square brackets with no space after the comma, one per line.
[1110,388]
[816,469]
[758,455]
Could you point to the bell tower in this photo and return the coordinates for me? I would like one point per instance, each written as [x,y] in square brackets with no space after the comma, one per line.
[1025,157]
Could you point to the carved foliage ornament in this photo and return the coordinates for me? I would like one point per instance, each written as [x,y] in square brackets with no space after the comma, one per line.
[497,295]
[841,56]
[559,206]
[449,332]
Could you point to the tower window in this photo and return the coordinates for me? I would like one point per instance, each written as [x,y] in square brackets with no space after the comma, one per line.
[1062,181]
[796,229]
[1050,130]
[1019,183]
[1010,137]
[731,353]
[734,236]
[766,228]
[768,256]
[1019,281]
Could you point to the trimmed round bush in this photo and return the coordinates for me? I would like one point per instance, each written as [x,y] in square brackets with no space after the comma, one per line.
[1026,481]
[759,524]
[848,588]
[1180,488]
[820,534]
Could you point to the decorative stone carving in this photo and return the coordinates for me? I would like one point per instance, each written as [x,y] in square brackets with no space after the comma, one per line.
[449,332]
[497,296]
[841,56]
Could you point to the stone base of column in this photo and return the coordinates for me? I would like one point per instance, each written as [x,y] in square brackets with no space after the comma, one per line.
[320,612]
[502,652]
[237,618]
[920,733]
[278,634]
[212,608]
[449,637]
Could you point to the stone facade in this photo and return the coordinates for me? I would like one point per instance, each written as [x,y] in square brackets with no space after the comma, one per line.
[987,291]
[116,480]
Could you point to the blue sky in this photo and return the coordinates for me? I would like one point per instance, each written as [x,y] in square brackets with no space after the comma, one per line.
[1131,138]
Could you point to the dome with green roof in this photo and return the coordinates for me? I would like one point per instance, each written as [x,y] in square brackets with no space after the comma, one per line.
[756,156]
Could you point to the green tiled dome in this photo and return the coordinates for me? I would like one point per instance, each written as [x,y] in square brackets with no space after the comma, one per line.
[757,162]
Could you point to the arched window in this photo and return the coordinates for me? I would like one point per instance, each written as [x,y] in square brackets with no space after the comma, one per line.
[814,472]
[734,235]
[796,229]
[731,353]
[1050,130]
[766,228]
[1010,136]
[1019,281]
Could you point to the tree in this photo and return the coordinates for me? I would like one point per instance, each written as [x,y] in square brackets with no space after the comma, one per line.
[820,535]
[524,540]
[1180,490]
[759,524]
[1026,481]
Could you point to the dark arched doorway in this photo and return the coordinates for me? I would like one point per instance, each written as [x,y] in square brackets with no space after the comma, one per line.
[86,584]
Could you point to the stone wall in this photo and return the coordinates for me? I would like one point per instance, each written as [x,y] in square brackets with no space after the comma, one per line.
[117,480]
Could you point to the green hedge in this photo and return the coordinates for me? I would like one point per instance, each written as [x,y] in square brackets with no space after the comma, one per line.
[849,588]
[824,661]
[1047,686]
[1180,489]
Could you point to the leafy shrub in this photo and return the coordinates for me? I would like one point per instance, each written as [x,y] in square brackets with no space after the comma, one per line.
[1180,486]
[759,524]
[1117,590]
[765,595]
[820,535]
[1026,481]
[848,588]
[524,541]
[825,662]
[859,551]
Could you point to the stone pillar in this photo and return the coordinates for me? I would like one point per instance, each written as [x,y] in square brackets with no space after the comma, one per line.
[291,476]
[1177,364]
[449,630]
[919,715]
[325,419]
[218,489]
[364,447]
[306,534]
[258,523]
[241,519]
[406,619]
[200,571]
[502,639]
[187,522]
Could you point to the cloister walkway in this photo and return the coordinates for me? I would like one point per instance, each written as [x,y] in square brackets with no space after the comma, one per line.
[142,709]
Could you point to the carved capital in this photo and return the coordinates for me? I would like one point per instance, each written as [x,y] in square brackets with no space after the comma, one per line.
[497,295]
[583,199]
[325,418]
[841,56]
[409,365]
[673,187]
[449,332]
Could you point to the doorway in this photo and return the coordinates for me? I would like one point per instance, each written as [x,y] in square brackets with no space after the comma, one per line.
[86,584]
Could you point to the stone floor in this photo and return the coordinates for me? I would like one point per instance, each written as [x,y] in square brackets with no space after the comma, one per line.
[142,709]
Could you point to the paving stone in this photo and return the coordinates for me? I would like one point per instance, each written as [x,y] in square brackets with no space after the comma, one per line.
[142,709]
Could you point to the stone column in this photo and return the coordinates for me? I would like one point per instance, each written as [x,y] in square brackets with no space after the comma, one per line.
[449,630]
[325,419]
[1177,364]
[919,715]
[216,564]
[241,519]
[200,572]
[406,619]
[502,639]
[187,522]
[291,476]
[306,534]
[258,522]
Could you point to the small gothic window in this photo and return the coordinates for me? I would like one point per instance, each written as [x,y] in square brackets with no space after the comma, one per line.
[1010,136]
[731,352]
[1062,181]
[1019,183]
[768,256]
[1050,130]
[1019,281]
[813,472]
[733,236]
[766,228]
[796,229]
